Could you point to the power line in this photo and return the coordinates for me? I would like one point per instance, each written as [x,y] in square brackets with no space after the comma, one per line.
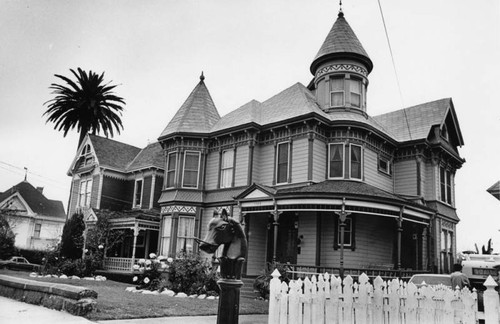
[22,170]
[394,67]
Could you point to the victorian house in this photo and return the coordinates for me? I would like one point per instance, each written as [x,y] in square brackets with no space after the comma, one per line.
[300,170]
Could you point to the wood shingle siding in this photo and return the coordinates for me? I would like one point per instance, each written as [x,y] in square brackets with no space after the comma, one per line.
[241,166]
[372,175]
[406,177]
[300,160]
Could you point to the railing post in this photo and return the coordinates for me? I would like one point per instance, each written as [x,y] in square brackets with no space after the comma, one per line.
[274,289]
[491,302]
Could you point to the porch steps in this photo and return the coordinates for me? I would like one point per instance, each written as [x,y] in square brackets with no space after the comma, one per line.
[247,289]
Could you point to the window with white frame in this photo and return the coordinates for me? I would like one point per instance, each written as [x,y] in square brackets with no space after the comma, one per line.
[85,193]
[38,229]
[348,233]
[356,162]
[226,168]
[385,165]
[336,91]
[171,169]
[138,193]
[166,235]
[191,169]
[185,234]
[282,156]
[336,160]
[355,87]
[445,181]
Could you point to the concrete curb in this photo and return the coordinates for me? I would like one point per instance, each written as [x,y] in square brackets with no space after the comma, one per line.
[72,299]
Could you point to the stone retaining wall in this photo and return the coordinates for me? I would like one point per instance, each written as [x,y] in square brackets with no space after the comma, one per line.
[72,299]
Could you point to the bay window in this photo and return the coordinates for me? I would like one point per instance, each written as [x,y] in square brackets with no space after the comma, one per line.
[166,235]
[171,169]
[355,87]
[85,192]
[356,170]
[445,182]
[336,161]
[336,91]
[185,234]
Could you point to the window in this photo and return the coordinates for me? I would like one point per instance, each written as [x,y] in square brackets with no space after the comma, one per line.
[138,193]
[356,170]
[445,180]
[38,229]
[185,234]
[336,161]
[191,166]
[349,233]
[444,132]
[85,192]
[166,234]
[355,87]
[226,169]
[336,92]
[282,163]
[171,168]
[385,165]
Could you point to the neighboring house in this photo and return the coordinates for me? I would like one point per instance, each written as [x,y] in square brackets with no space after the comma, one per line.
[124,182]
[288,166]
[494,190]
[36,221]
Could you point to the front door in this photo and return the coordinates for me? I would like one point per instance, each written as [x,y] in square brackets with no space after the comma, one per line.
[286,247]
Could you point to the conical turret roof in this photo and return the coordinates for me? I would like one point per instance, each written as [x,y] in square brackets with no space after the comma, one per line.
[341,43]
[197,115]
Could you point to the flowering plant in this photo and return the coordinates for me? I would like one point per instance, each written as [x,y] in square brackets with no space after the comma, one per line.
[148,273]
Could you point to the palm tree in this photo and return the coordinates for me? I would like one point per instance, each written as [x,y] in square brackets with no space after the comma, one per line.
[87,104]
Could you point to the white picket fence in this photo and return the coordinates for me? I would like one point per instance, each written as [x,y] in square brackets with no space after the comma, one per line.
[324,299]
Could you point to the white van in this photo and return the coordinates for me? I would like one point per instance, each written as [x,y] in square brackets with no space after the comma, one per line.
[478,270]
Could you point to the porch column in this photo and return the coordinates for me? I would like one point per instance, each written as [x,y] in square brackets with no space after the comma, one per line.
[425,255]
[136,233]
[399,222]
[276,214]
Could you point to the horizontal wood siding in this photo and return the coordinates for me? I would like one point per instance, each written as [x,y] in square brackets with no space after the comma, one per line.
[146,191]
[431,177]
[300,158]
[212,171]
[406,177]
[241,166]
[266,166]
[374,242]
[373,176]
[307,228]
[256,164]
[319,160]
[257,243]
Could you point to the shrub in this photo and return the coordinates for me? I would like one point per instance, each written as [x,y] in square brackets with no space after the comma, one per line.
[191,274]
[72,237]
[262,282]
[7,239]
[150,274]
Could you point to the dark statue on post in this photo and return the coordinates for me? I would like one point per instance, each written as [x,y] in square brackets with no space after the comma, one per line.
[227,231]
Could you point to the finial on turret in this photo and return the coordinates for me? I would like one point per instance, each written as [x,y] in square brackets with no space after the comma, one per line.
[202,77]
[341,14]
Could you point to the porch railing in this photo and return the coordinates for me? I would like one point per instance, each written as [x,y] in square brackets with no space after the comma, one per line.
[120,264]
[384,271]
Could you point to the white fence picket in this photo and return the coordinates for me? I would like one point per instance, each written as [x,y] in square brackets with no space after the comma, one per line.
[326,299]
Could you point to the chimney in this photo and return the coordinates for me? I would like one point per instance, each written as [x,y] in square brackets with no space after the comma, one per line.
[40,189]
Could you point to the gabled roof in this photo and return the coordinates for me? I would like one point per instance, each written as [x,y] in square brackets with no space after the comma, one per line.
[36,201]
[416,122]
[341,42]
[494,190]
[113,154]
[150,156]
[197,115]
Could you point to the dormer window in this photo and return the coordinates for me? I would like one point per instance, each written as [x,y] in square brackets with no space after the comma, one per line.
[337,91]
[444,132]
[191,169]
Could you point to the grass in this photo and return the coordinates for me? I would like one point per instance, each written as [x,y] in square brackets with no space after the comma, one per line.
[113,302]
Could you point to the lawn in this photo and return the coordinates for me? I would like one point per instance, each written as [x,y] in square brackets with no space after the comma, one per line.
[114,302]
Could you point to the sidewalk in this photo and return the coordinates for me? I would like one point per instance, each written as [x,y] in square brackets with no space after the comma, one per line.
[16,312]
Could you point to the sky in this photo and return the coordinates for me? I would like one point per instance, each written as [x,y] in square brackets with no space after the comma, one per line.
[155,51]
